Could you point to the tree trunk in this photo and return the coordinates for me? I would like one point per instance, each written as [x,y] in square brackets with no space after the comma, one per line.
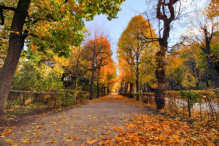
[137,74]
[159,94]
[167,16]
[206,79]
[207,51]
[122,86]
[92,86]
[131,90]
[197,76]
[108,90]
[16,44]
[213,73]
[104,91]
[98,90]
[160,75]
[137,86]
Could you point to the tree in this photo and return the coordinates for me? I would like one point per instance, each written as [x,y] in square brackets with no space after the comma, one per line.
[208,29]
[182,67]
[107,76]
[147,67]
[131,47]
[23,19]
[166,14]
[76,63]
[97,52]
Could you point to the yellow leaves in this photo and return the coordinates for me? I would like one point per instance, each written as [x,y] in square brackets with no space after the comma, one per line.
[91,142]
[58,130]
[210,144]
[51,142]
[29,141]
[54,123]
[15,32]
[139,122]
[12,143]
[69,140]
[33,47]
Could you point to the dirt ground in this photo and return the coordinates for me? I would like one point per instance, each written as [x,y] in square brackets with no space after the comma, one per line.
[87,124]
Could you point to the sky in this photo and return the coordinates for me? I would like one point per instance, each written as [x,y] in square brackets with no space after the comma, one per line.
[129,9]
[115,27]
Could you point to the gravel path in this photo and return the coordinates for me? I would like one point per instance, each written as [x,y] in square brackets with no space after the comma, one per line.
[83,125]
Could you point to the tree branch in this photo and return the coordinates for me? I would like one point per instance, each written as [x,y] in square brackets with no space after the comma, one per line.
[2,17]
[1,12]
[7,8]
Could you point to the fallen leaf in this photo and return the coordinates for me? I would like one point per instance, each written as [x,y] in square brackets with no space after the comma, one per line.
[7,133]
[53,141]
[91,142]
[39,127]
[69,140]
[71,137]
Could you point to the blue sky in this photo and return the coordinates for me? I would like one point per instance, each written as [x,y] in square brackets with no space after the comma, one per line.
[115,27]
[130,8]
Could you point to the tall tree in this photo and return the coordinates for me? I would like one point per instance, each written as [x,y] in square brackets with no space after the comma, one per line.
[42,11]
[166,14]
[96,51]
[131,47]
[208,29]
[107,76]
[147,67]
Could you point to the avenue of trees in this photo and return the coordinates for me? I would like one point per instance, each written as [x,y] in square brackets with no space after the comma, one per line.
[47,28]
[153,65]
[45,43]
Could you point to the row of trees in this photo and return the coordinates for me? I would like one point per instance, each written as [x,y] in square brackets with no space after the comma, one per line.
[191,63]
[93,60]
[51,27]
[89,64]
[135,54]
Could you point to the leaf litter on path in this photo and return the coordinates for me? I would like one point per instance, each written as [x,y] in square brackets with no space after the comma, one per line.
[109,121]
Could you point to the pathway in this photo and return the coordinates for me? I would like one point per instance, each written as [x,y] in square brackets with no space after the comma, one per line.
[107,121]
[85,124]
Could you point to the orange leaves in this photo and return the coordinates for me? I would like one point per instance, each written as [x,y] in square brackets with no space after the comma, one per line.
[97,52]
[50,142]
[70,137]
[10,142]
[58,130]
[39,127]
[91,142]
[7,133]
[161,130]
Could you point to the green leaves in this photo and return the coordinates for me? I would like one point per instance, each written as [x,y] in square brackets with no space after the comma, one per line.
[192,96]
[37,77]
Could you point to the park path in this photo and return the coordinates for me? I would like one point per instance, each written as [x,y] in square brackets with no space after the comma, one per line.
[82,125]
